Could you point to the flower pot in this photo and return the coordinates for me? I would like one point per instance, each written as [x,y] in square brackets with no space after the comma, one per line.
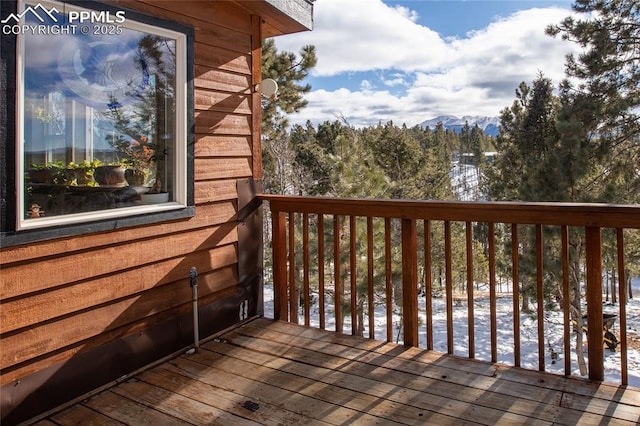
[83,175]
[74,176]
[134,177]
[154,198]
[46,175]
[109,176]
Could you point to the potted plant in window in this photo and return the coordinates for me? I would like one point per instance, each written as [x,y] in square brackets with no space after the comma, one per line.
[135,176]
[81,174]
[140,159]
[155,195]
[43,173]
[143,117]
[110,175]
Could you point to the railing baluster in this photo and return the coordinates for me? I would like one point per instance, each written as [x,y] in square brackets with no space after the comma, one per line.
[294,297]
[388,278]
[371,313]
[305,268]
[566,305]
[428,286]
[410,282]
[336,274]
[470,321]
[622,302]
[492,293]
[321,271]
[448,284]
[593,242]
[292,282]
[353,274]
[279,256]
[540,295]
[515,288]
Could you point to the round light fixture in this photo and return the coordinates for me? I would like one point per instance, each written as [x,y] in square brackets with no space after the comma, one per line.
[268,87]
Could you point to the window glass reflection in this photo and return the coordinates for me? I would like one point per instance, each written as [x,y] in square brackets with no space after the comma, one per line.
[99,119]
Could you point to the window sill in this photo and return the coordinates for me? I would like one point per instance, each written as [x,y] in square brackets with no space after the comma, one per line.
[144,215]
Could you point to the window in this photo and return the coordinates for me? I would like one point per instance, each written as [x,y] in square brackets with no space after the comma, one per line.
[101,111]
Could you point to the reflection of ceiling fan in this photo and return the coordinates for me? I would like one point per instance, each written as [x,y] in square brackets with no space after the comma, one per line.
[98,72]
[104,75]
[95,63]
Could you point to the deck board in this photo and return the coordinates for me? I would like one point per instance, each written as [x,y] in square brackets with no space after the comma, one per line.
[127,411]
[371,377]
[300,375]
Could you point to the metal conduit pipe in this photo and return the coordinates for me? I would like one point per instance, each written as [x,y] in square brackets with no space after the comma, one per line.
[193,280]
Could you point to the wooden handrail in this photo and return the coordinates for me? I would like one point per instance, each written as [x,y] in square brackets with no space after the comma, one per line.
[571,214]
[592,218]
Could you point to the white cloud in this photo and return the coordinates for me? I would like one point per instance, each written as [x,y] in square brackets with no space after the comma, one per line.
[361,35]
[365,85]
[360,108]
[396,79]
[474,75]
[411,15]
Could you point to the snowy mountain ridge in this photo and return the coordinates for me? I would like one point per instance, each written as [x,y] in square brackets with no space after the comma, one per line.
[489,125]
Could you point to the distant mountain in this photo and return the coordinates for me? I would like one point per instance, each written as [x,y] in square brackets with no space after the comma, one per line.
[489,125]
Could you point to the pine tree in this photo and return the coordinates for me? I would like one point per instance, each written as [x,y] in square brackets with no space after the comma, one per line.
[313,150]
[528,168]
[435,179]
[607,96]
[599,119]
[288,71]
[401,158]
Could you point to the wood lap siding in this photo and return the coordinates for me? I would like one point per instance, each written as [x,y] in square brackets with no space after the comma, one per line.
[63,297]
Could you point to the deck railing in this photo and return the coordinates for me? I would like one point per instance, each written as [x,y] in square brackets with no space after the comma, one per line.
[343,236]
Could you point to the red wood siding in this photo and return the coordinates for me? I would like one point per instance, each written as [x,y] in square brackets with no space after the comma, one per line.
[64,297]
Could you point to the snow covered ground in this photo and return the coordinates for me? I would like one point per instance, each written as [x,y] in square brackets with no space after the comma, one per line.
[465,180]
[553,330]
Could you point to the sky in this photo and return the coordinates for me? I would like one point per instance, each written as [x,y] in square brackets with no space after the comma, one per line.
[409,61]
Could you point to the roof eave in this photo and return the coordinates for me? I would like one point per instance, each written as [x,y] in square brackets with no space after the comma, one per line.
[282,16]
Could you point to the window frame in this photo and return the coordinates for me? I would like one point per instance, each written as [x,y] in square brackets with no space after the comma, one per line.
[16,229]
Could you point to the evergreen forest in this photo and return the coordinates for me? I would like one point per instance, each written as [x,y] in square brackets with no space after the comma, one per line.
[577,140]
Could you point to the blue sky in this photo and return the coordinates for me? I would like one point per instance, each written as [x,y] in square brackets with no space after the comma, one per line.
[408,61]
[469,14]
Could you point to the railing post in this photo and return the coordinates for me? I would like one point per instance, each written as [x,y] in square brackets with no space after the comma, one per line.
[622,303]
[294,295]
[428,290]
[540,294]
[353,259]
[279,261]
[593,242]
[566,309]
[337,274]
[515,274]
[448,282]
[410,282]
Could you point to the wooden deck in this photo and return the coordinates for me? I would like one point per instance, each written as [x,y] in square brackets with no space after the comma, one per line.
[269,372]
